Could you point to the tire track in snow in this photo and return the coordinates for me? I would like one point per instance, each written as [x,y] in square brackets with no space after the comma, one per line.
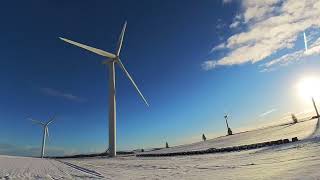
[68,175]
[88,171]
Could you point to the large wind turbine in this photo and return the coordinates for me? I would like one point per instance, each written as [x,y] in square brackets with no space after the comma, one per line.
[45,132]
[112,59]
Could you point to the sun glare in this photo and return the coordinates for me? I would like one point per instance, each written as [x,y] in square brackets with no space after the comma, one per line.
[309,87]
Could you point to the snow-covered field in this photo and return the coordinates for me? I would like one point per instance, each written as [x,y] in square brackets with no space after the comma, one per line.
[35,168]
[300,160]
[300,130]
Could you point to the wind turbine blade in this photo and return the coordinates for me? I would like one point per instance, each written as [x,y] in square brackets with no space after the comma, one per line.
[305,41]
[36,122]
[92,49]
[50,121]
[121,38]
[134,84]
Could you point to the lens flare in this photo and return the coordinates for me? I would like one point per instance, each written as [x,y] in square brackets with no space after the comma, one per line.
[309,87]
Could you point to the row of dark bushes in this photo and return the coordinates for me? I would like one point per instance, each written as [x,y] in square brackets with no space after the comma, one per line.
[221,150]
[92,155]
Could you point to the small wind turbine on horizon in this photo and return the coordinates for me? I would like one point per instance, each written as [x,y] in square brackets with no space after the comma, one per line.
[226,117]
[112,60]
[45,132]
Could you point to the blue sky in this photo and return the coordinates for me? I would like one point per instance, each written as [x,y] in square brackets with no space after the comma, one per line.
[192,61]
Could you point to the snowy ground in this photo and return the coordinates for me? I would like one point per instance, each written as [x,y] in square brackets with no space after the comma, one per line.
[35,168]
[299,160]
[300,130]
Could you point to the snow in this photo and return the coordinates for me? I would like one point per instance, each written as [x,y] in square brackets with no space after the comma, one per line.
[297,160]
[12,167]
[285,131]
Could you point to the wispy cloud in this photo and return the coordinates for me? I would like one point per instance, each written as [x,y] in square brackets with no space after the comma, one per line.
[271,26]
[267,112]
[220,24]
[218,47]
[237,20]
[314,49]
[57,93]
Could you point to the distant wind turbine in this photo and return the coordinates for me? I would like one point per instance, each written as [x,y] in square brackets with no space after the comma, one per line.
[315,107]
[305,41]
[226,117]
[112,59]
[45,132]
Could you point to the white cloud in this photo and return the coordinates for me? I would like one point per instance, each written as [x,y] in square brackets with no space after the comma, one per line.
[209,65]
[267,112]
[57,93]
[220,46]
[235,24]
[237,20]
[259,10]
[286,59]
[272,25]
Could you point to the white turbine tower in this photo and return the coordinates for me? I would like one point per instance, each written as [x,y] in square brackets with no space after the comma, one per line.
[45,132]
[112,60]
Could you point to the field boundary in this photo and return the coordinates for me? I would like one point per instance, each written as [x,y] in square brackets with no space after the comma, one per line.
[222,150]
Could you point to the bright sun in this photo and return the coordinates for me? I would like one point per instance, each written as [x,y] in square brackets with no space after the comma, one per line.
[309,87]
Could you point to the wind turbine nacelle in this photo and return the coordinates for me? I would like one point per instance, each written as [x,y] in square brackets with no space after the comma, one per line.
[116,60]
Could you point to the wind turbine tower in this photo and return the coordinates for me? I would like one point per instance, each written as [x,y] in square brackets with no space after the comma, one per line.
[306,49]
[111,60]
[226,117]
[45,132]
[315,107]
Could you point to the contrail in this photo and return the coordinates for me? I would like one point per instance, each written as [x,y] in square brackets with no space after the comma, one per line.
[305,41]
